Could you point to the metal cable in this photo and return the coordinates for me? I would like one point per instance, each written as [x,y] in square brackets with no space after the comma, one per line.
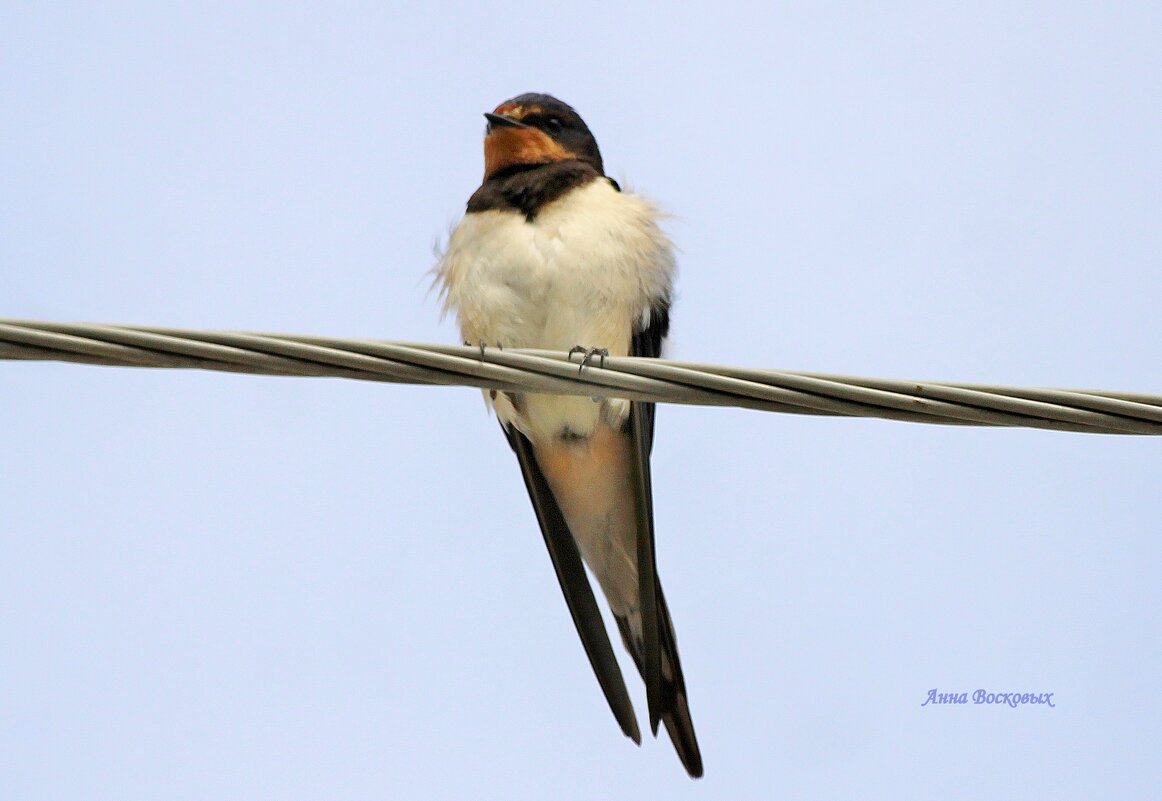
[550,372]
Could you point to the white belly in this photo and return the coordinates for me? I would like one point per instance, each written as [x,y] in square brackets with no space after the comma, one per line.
[584,272]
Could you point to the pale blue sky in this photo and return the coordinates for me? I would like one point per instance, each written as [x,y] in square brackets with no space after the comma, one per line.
[235,587]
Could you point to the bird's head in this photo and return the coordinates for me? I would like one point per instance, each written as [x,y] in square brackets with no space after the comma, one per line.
[534,129]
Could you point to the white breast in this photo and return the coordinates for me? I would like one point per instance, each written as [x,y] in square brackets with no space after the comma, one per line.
[583,272]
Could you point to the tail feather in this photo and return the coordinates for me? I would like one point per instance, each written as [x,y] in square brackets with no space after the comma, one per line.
[675,709]
[681,729]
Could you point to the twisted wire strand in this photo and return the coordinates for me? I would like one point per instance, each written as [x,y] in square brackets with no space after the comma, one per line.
[660,380]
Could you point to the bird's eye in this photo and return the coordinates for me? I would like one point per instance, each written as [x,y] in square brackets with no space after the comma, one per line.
[553,124]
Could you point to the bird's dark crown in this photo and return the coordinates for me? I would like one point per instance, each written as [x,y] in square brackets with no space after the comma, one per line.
[535,129]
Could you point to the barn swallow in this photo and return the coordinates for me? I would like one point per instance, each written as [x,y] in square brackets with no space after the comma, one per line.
[551,254]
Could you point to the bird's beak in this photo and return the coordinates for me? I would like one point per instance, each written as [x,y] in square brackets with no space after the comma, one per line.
[500,121]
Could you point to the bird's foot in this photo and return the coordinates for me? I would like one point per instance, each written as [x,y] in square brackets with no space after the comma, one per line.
[482,346]
[588,354]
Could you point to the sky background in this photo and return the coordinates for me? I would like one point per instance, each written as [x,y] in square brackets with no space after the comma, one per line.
[240,587]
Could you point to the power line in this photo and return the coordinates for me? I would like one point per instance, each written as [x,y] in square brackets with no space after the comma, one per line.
[551,372]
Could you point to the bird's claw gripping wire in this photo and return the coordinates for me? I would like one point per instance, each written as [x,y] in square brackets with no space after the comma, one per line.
[587,358]
[481,345]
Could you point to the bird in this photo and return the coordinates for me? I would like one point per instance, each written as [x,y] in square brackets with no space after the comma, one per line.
[552,254]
